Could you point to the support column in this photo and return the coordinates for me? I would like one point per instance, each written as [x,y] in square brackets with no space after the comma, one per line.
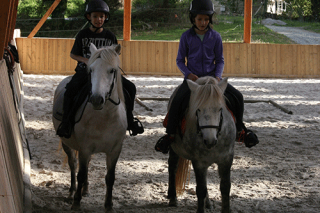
[127,20]
[44,18]
[247,21]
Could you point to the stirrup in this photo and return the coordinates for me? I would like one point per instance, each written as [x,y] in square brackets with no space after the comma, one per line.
[136,128]
[163,144]
[248,137]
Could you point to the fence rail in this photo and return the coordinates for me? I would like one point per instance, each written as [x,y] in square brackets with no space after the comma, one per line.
[51,56]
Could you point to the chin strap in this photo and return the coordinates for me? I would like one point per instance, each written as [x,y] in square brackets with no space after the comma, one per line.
[194,26]
[97,28]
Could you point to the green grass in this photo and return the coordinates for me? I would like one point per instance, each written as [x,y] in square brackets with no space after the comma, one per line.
[311,26]
[230,28]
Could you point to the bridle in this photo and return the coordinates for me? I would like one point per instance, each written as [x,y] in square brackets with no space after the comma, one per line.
[199,128]
[108,95]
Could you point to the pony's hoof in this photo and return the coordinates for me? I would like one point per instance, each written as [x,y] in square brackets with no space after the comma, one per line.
[76,207]
[110,210]
[173,202]
[208,204]
[85,194]
[68,200]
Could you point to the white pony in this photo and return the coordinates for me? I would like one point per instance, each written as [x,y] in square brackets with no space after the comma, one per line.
[209,138]
[103,125]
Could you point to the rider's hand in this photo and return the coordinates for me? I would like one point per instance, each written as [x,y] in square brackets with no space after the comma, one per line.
[192,77]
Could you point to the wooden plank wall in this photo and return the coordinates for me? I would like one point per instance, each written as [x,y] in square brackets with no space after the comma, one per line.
[11,147]
[51,56]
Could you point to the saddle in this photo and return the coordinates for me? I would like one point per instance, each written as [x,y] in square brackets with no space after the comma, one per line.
[79,103]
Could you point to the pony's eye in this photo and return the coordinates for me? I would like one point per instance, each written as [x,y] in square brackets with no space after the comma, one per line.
[113,70]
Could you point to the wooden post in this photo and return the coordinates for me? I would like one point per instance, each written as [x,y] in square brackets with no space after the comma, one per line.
[13,18]
[44,18]
[247,21]
[5,11]
[127,20]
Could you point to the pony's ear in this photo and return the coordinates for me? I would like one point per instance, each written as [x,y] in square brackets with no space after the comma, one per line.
[92,48]
[223,84]
[192,85]
[118,48]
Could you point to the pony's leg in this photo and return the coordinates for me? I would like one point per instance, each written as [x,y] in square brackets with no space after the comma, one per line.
[208,203]
[82,179]
[110,177]
[201,179]
[72,161]
[225,185]
[173,165]
[85,189]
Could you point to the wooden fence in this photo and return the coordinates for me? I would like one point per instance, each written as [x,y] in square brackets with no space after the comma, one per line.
[15,192]
[52,56]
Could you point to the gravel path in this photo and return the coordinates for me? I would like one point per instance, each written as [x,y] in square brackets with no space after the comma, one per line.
[298,35]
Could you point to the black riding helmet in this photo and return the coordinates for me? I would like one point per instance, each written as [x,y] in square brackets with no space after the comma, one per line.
[204,7]
[97,6]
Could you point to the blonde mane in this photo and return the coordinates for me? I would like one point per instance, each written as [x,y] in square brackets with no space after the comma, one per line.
[208,93]
[110,56]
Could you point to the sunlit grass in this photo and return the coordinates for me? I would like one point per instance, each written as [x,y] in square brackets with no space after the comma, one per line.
[312,26]
[230,28]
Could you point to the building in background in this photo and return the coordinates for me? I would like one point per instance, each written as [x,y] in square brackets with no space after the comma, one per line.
[276,7]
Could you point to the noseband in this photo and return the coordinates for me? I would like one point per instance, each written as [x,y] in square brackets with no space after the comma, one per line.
[199,128]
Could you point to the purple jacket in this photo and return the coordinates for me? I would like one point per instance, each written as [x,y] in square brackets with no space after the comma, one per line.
[203,58]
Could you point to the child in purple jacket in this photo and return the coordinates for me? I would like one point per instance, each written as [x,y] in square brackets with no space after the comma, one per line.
[202,46]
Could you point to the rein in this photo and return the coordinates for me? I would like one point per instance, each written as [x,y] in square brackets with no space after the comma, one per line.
[199,128]
[110,92]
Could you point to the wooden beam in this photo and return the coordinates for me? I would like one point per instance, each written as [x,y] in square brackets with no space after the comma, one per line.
[13,18]
[44,18]
[127,20]
[247,21]
[4,21]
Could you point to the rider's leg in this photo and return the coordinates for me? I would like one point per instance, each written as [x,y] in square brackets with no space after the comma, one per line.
[134,125]
[178,106]
[235,102]
[78,80]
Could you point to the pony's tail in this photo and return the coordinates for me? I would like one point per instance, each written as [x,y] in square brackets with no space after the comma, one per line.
[183,172]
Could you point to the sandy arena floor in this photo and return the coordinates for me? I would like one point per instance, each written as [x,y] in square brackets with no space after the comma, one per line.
[281,174]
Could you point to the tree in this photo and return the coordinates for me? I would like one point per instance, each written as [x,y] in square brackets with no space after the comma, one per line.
[315,9]
[60,10]
[298,8]
[114,5]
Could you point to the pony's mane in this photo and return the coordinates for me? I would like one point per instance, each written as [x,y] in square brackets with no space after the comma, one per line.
[107,54]
[207,93]
[110,56]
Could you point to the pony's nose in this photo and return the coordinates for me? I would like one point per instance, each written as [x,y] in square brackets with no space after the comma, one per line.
[97,101]
[210,143]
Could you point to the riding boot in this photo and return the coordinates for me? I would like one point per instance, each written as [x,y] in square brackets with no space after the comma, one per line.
[66,126]
[134,125]
[248,137]
[163,144]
